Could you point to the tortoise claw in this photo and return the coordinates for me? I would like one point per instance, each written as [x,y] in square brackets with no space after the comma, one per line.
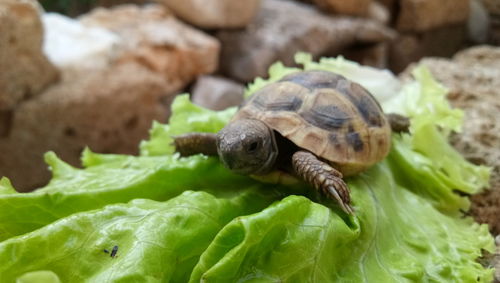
[332,191]
[323,178]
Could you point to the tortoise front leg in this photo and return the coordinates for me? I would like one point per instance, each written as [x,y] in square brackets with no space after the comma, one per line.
[194,143]
[323,178]
[399,123]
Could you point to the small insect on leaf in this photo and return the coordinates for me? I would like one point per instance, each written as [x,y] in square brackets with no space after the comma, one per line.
[114,251]
[106,251]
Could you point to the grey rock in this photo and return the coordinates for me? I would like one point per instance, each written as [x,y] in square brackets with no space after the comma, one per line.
[478,23]
[282,28]
[217,93]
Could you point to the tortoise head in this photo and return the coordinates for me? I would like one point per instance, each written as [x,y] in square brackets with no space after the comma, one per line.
[247,146]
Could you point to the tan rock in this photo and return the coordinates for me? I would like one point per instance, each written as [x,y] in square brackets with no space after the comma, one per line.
[483,56]
[497,262]
[352,7]
[423,15]
[472,78]
[282,28]
[408,48]
[156,39]
[217,93]
[107,106]
[24,69]
[214,14]
[108,110]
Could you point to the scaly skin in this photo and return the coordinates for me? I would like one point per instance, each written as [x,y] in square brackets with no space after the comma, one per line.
[323,178]
[194,143]
[399,123]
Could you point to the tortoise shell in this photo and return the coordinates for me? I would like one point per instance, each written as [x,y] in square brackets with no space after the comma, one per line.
[326,114]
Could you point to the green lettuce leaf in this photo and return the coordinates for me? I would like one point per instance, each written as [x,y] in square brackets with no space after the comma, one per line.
[189,219]
[108,179]
[396,237]
[430,164]
[6,187]
[157,241]
[39,276]
[186,117]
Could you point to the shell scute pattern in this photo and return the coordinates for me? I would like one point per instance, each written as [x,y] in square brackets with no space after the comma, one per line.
[317,81]
[334,118]
[367,106]
[327,117]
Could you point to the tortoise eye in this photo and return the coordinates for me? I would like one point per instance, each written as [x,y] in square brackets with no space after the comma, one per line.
[253,146]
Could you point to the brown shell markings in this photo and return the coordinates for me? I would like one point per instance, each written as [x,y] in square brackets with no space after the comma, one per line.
[334,118]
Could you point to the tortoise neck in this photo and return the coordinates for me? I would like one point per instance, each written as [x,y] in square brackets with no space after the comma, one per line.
[269,165]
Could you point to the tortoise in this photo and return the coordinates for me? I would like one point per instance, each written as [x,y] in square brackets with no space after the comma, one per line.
[316,125]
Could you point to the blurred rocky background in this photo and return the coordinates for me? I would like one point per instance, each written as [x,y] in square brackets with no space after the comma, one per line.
[97,72]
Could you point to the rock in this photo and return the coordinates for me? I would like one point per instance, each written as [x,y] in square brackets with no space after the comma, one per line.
[111,3]
[351,7]
[75,8]
[214,14]
[153,37]
[391,5]
[217,93]
[423,15]
[493,6]
[379,13]
[109,110]
[375,55]
[497,265]
[110,92]
[282,28]
[408,48]
[403,51]
[472,78]
[70,44]
[25,71]
[478,23]
[494,35]
[497,260]
[482,56]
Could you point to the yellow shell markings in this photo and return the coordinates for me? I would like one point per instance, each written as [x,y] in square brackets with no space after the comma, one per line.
[322,112]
